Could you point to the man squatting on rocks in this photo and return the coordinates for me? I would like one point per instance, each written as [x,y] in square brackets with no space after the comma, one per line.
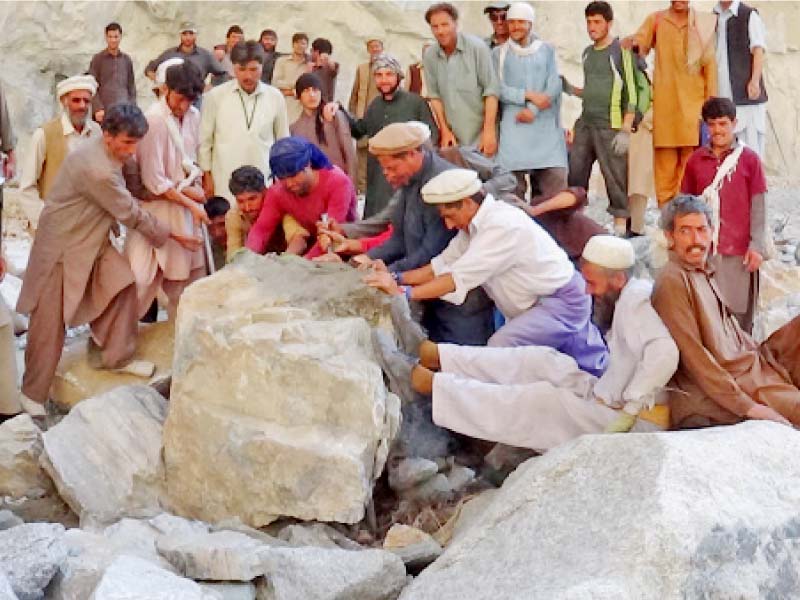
[538,396]
[74,274]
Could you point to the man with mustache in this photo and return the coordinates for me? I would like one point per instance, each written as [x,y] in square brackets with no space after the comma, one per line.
[394,105]
[51,143]
[535,396]
[724,376]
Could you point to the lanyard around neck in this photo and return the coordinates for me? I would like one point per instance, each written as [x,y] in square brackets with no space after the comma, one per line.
[248,120]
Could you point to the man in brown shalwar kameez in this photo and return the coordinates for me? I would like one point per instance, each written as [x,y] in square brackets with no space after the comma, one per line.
[724,376]
[74,274]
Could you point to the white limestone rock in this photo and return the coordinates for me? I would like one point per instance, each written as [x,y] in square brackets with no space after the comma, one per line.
[700,514]
[25,488]
[6,591]
[230,591]
[410,472]
[105,455]
[416,548]
[277,406]
[30,555]
[131,578]
[327,574]
[218,556]
[319,535]
[9,520]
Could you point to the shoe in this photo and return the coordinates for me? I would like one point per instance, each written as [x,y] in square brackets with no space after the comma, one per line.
[138,368]
[33,408]
[395,364]
[410,332]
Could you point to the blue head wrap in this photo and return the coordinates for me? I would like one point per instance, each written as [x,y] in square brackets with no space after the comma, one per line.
[288,156]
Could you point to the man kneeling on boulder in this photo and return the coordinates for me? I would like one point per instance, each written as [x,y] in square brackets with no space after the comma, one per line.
[535,397]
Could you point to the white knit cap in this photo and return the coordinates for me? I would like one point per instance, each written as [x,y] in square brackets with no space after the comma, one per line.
[77,82]
[161,71]
[451,186]
[521,11]
[609,251]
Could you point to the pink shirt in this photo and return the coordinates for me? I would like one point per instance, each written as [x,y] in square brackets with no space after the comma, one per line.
[334,194]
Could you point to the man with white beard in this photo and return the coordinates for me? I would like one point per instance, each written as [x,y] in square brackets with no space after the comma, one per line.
[56,138]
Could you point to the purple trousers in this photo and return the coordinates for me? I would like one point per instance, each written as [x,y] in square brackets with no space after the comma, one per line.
[562,321]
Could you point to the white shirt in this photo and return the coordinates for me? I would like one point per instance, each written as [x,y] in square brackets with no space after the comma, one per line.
[509,254]
[642,354]
[226,141]
[33,161]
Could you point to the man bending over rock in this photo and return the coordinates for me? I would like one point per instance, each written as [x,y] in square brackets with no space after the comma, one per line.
[75,275]
[724,376]
[536,397]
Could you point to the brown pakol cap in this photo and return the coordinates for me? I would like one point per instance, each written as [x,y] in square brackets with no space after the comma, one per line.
[397,138]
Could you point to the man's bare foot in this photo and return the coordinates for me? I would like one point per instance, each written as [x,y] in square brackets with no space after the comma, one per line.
[429,355]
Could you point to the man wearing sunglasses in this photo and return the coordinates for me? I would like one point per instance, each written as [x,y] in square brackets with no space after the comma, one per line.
[497,15]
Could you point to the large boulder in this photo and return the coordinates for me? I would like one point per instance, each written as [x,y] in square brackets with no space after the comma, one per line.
[25,488]
[105,455]
[30,555]
[328,574]
[701,514]
[277,405]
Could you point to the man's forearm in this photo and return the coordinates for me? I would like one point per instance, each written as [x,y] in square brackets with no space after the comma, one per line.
[757,64]
[436,288]
[561,200]
[438,110]
[417,276]
[489,112]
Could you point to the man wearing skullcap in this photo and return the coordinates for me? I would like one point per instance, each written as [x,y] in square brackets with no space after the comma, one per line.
[497,11]
[160,81]
[240,121]
[418,234]
[51,143]
[74,275]
[536,397]
[188,49]
[363,93]
[393,105]
[307,187]
[499,248]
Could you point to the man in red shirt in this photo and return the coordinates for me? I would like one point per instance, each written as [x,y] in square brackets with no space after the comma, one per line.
[729,176]
[308,186]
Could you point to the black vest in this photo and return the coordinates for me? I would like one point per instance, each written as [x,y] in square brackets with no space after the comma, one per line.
[739,57]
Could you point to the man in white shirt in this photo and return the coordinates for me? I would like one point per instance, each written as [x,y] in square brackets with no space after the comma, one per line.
[240,120]
[51,143]
[535,397]
[530,278]
[741,44]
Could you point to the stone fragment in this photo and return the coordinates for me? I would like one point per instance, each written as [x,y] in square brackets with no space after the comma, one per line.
[416,548]
[274,374]
[30,554]
[435,488]
[25,488]
[131,578]
[460,477]
[9,520]
[319,535]
[656,516]
[6,591]
[105,455]
[219,556]
[167,524]
[76,380]
[230,591]
[410,472]
[328,574]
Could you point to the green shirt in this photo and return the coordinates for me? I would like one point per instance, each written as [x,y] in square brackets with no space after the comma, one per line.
[598,81]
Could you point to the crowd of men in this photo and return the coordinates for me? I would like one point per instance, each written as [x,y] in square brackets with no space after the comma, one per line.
[518,316]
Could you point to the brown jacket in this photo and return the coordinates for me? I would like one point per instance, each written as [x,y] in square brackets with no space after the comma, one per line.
[723,372]
[87,199]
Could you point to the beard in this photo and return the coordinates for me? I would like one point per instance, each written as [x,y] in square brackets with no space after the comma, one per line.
[603,310]
[391,92]
[78,120]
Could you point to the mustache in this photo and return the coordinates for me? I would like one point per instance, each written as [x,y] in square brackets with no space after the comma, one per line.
[696,247]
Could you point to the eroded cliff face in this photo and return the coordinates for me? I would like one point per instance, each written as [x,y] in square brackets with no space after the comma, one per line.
[43,42]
